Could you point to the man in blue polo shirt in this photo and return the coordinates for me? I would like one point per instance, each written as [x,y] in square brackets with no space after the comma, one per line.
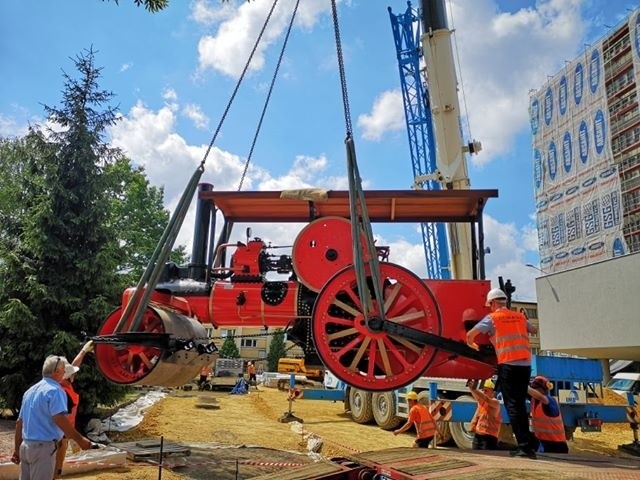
[42,422]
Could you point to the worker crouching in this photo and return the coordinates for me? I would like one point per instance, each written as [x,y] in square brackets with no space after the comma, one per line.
[546,419]
[419,417]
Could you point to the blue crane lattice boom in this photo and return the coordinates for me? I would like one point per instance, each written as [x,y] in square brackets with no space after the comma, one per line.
[406,33]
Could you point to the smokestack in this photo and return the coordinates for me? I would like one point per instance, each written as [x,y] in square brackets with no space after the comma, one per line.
[198,265]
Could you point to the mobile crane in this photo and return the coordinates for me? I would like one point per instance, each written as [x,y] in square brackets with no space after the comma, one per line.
[437,151]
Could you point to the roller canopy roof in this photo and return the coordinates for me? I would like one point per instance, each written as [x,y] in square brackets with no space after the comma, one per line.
[382,205]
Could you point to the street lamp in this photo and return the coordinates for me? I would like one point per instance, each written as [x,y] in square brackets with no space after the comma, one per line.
[553,290]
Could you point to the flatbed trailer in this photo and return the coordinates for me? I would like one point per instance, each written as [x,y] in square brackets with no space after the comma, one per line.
[577,383]
[421,464]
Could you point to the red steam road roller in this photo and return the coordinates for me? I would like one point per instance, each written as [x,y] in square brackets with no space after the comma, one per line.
[418,330]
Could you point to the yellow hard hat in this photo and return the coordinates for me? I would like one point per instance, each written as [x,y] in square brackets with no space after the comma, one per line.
[488,383]
[412,396]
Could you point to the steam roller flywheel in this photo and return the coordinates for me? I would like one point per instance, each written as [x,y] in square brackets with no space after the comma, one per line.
[322,248]
[144,364]
[368,358]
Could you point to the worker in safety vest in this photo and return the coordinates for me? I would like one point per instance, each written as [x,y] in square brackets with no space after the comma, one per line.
[546,418]
[509,333]
[419,417]
[251,371]
[204,376]
[487,419]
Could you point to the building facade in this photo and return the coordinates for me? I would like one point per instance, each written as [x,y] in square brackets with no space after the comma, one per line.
[530,310]
[585,124]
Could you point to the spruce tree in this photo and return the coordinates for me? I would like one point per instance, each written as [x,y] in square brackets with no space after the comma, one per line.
[59,275]
[229,348]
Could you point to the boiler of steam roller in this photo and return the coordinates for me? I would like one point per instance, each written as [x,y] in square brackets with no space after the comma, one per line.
[417,330]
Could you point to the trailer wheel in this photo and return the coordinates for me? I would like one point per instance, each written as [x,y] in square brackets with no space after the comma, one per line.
[460,431]
[360,402]
[384,410]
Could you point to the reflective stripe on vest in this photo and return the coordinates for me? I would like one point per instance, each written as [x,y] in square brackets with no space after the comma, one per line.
[484,423]
[511,339]
[550,429]
[426,426]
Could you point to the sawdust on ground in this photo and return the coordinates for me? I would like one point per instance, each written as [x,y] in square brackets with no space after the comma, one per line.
[207,421]
[219,418]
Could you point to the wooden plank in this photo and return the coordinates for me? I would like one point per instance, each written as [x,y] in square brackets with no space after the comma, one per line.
[314,470]
[150,449]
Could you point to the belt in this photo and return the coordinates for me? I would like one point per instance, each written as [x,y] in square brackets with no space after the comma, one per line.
[40,443]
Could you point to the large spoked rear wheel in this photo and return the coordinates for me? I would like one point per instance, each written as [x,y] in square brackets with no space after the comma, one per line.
[366,358]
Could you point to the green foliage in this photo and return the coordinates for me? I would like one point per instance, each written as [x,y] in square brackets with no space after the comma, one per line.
[137,213]
[229,348]
[152,6]
[78,224]
[276,350]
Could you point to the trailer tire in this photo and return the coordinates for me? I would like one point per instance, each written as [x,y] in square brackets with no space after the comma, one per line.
[445,438]
[460,431]
[360,402]
[384,410]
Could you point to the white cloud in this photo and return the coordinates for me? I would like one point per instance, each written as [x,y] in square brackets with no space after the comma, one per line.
[504,55]
[125,66]
[10,127]
[509,247]
[170,95]
[228,50]
[196,115]
[150,140]
[387,114]
[203,12]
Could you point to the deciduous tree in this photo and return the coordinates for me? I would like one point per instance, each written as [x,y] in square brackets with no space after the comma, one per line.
[276,350]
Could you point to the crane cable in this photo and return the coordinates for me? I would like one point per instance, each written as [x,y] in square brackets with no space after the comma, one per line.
[360,222]
[268,97]
[140,298]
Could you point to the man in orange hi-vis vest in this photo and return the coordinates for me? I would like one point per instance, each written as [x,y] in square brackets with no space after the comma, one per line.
[509,333]
[420,417]
[487,419]
[546,418]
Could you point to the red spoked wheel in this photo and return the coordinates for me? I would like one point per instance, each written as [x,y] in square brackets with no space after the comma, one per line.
[128,364]
[369,359]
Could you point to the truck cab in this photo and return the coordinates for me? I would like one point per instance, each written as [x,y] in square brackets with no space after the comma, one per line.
[298,367]
[625,383]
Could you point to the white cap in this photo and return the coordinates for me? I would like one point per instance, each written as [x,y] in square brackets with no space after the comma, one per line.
[70,370]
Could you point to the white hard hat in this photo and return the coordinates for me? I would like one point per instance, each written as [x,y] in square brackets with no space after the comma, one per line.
[495,294]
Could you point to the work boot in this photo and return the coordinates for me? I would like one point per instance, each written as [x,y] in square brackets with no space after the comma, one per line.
[523,452]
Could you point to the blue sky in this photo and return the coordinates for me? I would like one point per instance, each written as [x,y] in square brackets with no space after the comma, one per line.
[173,72]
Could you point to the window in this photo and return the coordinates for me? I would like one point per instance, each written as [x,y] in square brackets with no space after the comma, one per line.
[248,342]
[227,333]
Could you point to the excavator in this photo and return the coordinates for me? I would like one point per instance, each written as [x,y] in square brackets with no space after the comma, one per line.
[373,323]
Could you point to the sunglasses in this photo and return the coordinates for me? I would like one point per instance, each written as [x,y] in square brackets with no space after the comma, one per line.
[55,369]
